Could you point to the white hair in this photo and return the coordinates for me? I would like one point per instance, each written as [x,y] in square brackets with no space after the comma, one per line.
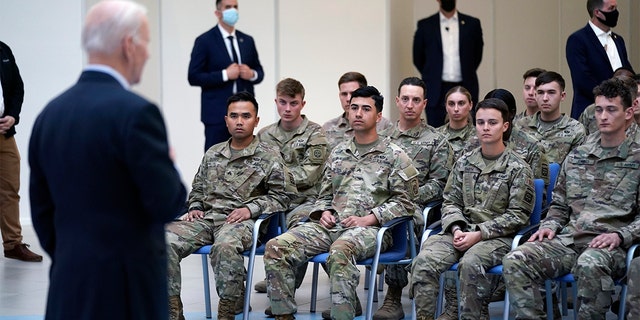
[108,22]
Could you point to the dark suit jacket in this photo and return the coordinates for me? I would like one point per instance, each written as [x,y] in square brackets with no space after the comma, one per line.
[427,54]
[589,65]
[208,58]
[12,86]
[102,187]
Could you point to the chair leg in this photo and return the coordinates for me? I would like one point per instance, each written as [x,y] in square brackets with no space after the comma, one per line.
[564,299]
[247,289]
[207,290]
[623,302]
[576,304]
[314,289]
[507,307]
[548,293]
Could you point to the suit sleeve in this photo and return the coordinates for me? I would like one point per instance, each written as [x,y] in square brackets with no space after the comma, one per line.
[14,95]
[147,156]
[578,60]
[419,58]
[201,72]
[42,206]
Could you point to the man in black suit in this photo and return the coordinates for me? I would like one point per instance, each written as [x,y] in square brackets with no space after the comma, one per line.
[594,52]
[447,50]
[102,183]
[11,97]
[224,61]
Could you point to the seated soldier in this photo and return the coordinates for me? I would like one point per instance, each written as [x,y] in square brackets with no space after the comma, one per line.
[237,181]
[488,198]
[367,182]
[593,217]
[460,127]
[303,147]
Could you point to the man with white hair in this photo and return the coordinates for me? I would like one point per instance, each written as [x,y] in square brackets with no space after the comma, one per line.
[102,182]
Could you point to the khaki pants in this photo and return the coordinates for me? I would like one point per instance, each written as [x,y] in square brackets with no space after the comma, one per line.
[9,198]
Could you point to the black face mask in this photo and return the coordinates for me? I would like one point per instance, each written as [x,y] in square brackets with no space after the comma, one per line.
[450,5]
[612,18]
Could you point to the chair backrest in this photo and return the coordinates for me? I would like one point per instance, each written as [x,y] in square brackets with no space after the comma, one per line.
[554,170]
[537,208]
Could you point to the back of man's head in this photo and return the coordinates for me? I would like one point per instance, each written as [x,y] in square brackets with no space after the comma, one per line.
[108,23]
[369,92]
[290,87]
[593,5]
[615,87]
[548,77]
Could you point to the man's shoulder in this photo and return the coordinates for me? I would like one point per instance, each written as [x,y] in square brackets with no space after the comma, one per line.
[242,35]
[467,18]
[580,34]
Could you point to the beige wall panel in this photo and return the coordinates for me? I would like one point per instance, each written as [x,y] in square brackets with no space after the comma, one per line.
[321,40]
[524,41]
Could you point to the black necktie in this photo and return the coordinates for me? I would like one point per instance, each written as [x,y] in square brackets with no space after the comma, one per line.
[233,50]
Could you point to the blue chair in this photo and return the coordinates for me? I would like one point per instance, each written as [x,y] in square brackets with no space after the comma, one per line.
[534,221]
[554,171]
[276,225]
[568,278]
[401,228]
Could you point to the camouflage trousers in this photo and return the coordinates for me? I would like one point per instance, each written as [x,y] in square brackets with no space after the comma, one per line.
[228,242]
[526,268]
[286,252]
[437,255]
[633,291]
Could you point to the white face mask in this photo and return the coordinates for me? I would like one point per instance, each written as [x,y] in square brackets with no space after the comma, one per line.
[230,16]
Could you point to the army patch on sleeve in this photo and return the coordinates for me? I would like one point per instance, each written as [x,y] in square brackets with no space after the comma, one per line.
[317,155]
[528,197]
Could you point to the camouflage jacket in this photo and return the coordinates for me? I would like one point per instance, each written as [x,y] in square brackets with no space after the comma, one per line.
[598,191]
[458,138]
[255,178]
[496,200]
[559,140]
[304,152]
[528,148]
[383,181]
[338,129]
[431,154]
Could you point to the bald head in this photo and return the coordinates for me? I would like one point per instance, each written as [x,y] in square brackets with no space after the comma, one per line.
[116,33]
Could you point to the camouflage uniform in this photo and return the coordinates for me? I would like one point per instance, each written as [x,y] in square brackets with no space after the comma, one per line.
[633,291]
[495,200]
[304,151]
[520,115]
[588,119]
[458,138]
[254,178]
[433,157]
[528,148]
[383,182]
[598,191]
[558,140]
[338,129]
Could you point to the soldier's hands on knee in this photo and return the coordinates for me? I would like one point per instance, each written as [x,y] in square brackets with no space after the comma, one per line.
[327,219]
[194,215]
[239,215]
[541,234]
[606,240]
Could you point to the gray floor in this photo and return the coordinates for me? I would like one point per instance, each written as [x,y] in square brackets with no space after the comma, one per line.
[23,288]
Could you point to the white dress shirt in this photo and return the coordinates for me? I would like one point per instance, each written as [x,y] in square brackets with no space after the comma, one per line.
[451,70]
[609,45]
